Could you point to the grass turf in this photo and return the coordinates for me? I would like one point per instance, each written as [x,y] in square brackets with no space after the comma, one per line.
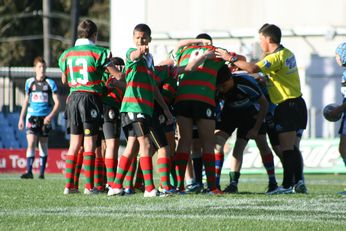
[40,205]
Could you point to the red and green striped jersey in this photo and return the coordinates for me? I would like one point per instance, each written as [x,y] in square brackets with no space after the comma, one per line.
[83,65]
[139,93]
[168,82]
[198,85]
[112,96]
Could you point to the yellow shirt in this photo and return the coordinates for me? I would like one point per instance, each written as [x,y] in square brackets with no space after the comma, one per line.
[281,68]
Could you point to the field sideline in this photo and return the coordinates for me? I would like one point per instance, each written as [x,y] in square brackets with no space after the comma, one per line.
[40,205]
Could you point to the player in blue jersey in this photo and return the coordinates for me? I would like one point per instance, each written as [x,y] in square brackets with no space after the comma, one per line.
[340,56]
[38,112]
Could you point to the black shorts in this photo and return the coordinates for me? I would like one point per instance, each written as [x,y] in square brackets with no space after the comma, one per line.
[159,115]
[157,133]
[195,110]
[291,115]
[135,124]
[241,119]
[111,122]
[84,113]
[34,125]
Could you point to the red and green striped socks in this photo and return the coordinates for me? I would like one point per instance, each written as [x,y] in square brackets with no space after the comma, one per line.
[163,167]
[139,183]
[78,168]
[124,164]
[99,173]
[69,171]
[89,166]
[128,181]
[147,169]
[209,166]
[180,168]
[111,168]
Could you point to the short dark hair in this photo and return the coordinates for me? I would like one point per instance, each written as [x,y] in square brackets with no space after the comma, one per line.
[204,36]
[223,75]
[143,28]
[39,59]
[272,31]
[86,29]
[118,61]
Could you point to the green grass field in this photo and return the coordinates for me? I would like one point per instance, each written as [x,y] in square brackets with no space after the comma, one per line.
[40,205]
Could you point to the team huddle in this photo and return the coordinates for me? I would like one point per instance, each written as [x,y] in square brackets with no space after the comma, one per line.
[183,110]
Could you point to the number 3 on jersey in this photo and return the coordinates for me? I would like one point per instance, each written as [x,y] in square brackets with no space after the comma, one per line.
[81,65]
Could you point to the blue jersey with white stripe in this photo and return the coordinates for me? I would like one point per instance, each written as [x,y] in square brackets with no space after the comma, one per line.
[40,94]
[244,94]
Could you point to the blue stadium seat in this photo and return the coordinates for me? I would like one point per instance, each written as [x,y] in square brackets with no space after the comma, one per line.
[13,118]
[13,121]
[14,144]
[2,116]
[7,136]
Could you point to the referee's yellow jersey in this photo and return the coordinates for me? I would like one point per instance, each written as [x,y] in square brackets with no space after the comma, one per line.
[281,68]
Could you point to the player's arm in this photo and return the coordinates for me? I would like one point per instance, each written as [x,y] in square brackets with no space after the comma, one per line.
[159,99]
[112,82]
[260,117]
[338,110]
[63,78]
[55,109]
[235,59]
[139,52]
[193,65]
[115,72]
[187,42]
[23,112]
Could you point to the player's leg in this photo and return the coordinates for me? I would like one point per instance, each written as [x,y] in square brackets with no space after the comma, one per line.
[184,127]
[220,141]
[30,155]
[267,160]
[206,128]
[236,161]
[43,152]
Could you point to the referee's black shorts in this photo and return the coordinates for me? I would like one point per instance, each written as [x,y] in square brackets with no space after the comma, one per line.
[291,115]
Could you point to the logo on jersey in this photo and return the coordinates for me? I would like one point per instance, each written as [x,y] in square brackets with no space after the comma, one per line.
[87,131]
[162,119]
[208,112]
[111,114]
[39,97]
[267,64]
[139,115]
[291,62]
[93,113]
[278,127]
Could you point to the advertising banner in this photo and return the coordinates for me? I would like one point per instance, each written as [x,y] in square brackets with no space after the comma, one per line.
[320,156]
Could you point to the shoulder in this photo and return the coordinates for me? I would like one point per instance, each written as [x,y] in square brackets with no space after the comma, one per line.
[247,80]
[29,81]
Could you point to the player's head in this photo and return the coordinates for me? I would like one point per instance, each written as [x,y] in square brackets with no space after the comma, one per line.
[87,29]
[340,54]
[40,68]
[224,79]
[269,33]
[141,34]
[205,36]
[118,62]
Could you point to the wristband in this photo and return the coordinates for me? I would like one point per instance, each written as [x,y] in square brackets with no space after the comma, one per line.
[234,57]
